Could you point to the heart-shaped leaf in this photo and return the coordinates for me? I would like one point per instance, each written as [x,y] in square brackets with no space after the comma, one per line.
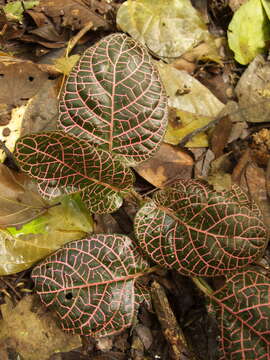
[114,98]
[242,307]
[63,164]
[90,284]
[199,231]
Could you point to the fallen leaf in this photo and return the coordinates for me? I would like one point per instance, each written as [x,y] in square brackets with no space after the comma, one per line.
[168,28]
[189,101]
[31,331]
[266,7]
[41,112]
[76,13]
[19,249]
[253,91]
[249,31]
[253,180]
[65,64]
[168,164]
[10,133]
[181,123]
[17,90]
[220,135]
[186,93]
[219,175]
[19,202]
[15,9]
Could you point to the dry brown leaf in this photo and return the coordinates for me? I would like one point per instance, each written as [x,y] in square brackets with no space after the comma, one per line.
[253,180]
[31,331]
[76,13]
[19,80]
[168,164]
[253,91]
[41,112]
[20,203]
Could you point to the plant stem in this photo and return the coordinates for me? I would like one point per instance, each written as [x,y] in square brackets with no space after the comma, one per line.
[203,286]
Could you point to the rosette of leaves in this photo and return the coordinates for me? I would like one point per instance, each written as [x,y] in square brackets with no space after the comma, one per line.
[61,164]
[90,284]
[114,99]
[201,232]
[242,308]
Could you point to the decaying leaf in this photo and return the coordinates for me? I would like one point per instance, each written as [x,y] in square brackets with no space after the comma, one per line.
[61,163]
[242,307]
[41,112]
[20,203]
[201,232]
[253,91]
[90,284]
[14,10]
[114,98]
[253,180]
[30,330]
[10,133]
[19,80]
[181,123]
[168,28]
[76,13]
[249,31]
[65,64]
[167,165]
[196,105]
[20,249]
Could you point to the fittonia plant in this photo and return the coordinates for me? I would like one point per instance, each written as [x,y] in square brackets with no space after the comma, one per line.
[113,114]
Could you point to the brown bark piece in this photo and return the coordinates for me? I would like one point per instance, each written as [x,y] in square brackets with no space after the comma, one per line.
[171,330]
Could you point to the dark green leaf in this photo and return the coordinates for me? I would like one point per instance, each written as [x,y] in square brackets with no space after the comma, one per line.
[242,307]
[90,284]
[114,98]
[199,231]
[63,164]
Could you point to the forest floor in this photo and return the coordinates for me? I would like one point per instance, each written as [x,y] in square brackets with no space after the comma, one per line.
[218,131]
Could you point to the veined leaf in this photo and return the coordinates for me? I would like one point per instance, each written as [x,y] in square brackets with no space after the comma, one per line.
[63,164]
[169,28]
[199,231]
[90,284]
[20,249]
[242,307]
[114,98]
[20,202]
[249,31]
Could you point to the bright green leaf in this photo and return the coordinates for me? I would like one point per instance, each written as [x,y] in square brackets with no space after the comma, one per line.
[19,249]
[168,28]
[249,31]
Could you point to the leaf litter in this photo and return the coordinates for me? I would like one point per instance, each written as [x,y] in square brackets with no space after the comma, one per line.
[219,144]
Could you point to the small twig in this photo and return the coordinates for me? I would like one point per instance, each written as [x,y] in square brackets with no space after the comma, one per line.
[268,179]
[188,137]
[72,42]
[12,288]
[171,329]
[203,285]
